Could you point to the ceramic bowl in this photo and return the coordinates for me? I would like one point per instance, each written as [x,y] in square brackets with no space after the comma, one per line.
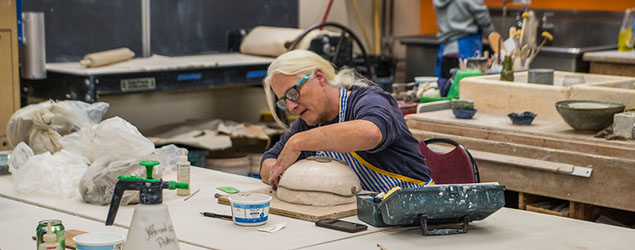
[464,113]
[524,118]
[588,114]
[462,104]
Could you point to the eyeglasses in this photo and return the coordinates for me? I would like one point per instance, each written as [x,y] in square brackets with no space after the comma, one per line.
[292,94]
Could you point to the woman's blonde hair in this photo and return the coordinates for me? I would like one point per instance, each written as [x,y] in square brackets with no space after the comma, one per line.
[302,62]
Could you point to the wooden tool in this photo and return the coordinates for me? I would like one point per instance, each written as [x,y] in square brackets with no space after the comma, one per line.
[302,212]
[512,44]
[495,42]
[524,54]
[524,29]
[547,36]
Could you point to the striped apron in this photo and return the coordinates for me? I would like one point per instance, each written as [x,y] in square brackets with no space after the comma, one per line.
[372,178]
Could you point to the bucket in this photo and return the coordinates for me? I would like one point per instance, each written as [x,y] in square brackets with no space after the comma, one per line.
[197,156]
[99,241]
[254,165]
[250,209]
[229,163]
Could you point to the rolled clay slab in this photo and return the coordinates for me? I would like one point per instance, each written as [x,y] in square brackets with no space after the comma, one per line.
[106,57]
[318,181]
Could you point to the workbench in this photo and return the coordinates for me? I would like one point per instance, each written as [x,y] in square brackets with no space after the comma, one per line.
[611,62]
[504,229]
[72,81]
[19,220]
[538,159]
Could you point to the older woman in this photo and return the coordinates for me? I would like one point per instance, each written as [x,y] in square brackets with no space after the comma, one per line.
[342,117]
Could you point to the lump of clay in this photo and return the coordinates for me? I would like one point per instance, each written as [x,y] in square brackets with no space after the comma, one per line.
[319,181]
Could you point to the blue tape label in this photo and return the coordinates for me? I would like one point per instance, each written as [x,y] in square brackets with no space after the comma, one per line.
[256,74]
[189,77]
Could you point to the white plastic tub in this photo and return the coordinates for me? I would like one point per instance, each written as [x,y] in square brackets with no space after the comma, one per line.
[99,241]
[250,209]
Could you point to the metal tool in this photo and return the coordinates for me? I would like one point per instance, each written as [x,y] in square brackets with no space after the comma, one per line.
[218,216]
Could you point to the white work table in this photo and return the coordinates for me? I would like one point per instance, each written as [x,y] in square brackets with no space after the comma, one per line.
[20,219]
[161,63]
[505,229]
[70,80]
[193,228]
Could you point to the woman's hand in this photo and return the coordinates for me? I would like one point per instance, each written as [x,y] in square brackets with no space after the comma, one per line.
[286,158]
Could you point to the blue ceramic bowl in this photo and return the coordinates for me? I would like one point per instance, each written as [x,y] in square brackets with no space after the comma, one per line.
[524,118]
[464,113]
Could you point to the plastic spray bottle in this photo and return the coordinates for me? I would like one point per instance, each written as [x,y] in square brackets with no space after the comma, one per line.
[626,39]
[50,240]
[151,226]
[183,175]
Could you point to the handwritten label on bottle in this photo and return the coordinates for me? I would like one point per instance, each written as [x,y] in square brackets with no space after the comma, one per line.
[163,234]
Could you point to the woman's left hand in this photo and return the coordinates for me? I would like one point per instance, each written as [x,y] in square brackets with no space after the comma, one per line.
[286,158]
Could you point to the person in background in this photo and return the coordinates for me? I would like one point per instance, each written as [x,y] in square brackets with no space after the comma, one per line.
[341,117]
[462,26]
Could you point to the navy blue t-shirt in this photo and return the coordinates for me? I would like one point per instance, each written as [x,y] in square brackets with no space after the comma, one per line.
[398,152]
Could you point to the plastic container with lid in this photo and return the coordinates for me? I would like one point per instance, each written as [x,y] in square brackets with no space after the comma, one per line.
[183,175]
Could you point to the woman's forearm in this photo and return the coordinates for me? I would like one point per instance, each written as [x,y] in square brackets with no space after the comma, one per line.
[347,136]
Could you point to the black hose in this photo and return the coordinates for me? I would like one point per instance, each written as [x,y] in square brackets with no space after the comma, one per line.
[371,71]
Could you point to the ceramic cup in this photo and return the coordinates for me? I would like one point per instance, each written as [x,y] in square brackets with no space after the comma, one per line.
[540,76]
[99,241]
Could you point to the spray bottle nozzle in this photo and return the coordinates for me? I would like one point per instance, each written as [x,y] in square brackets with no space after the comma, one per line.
[150,189]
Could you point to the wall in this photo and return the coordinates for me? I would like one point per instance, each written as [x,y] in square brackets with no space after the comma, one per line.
[427,22]
[611,5]
[244,104]
[406,14]
[149,110]
[77,27]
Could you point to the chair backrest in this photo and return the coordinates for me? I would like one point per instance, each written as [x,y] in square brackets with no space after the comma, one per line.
[454,167]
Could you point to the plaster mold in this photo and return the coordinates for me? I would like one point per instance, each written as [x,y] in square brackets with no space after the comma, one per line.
[319,181]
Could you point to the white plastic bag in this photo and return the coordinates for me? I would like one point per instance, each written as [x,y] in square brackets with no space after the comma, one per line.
[114,138]
[168,155]
[99,181]
[42,125]
[51,174]
[19,156]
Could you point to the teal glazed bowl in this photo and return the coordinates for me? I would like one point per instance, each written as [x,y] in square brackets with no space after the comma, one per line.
[587,114]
